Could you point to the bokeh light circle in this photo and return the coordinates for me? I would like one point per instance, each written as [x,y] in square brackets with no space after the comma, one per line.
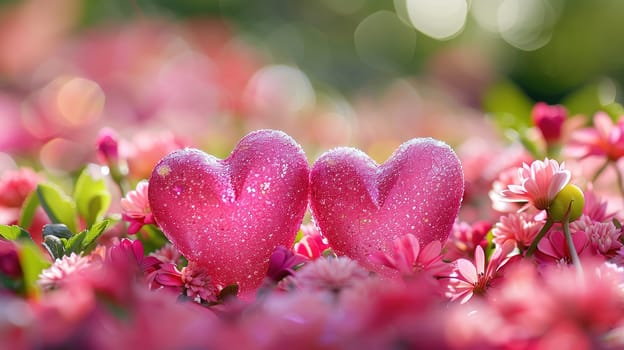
[439,19]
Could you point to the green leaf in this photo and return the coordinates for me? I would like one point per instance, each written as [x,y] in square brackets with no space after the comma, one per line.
[85,241]
[54,246]
[93,234]
[509,106]
[33,262]
[60,208]
[91,195]
[590,98]
[152,238]
[29,208]
[14,233]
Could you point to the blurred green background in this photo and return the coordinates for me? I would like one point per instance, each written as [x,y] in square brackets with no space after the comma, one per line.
[549,49]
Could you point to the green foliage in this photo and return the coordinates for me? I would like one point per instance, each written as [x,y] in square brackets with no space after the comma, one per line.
[33,262]
[591,98]
[152,238]
[58,243]
[85,241]
[14,233]
[59,207]
[92,197]
[28,209]
[509,106]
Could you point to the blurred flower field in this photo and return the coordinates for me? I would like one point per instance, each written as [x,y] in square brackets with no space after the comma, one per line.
[320,175]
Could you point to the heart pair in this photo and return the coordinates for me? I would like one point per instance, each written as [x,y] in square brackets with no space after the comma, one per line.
[229,215]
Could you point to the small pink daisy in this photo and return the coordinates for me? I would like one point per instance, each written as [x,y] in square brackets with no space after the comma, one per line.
[192,280]
[406,257]
[604,238]
[519,228]
[539,183]
[476,277]
[329,274]
[69,266]
[135,208]
[198,283]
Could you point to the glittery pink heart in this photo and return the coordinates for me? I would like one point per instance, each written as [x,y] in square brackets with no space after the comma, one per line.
[229,215]
[360,206]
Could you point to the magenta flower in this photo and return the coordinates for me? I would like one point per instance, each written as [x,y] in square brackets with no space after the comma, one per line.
[549,120]
[539,183]
[406,257]
[476,277]
[554,248]
[9,259]
[282,263]
[519,228]
[107,144]
[605,139]
[135,208]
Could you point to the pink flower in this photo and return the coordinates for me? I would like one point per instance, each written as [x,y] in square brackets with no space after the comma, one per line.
[406,257]
[57,275]
[329,274]
[126,251]
[553,248]
[312,244]
[135,208]
[198,284]
[107,144]
[539,183]
[9,259]
[282,263]
[604,238]
[519,228]
[147,149]
[16,185]
[549,120]
[167,254]
[604,139]
[464,239]
[476,277]
[595,207]
[192,281]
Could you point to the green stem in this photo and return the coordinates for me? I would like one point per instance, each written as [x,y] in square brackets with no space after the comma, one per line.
[540,235]
[619,179]
[566,231]
[600,171]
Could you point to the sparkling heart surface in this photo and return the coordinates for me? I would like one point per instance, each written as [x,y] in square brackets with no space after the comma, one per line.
[360,206]
[229,215]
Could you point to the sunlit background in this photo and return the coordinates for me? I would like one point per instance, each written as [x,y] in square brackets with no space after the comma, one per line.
[362,73]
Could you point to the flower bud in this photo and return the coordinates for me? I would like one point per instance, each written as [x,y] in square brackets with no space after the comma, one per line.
[108,146]
[571,199]
[549,120]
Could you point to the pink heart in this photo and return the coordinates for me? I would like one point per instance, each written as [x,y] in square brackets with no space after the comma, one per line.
[360,206]
[229,215]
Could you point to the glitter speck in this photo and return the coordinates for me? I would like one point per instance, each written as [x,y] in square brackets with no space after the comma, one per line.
[163,170]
